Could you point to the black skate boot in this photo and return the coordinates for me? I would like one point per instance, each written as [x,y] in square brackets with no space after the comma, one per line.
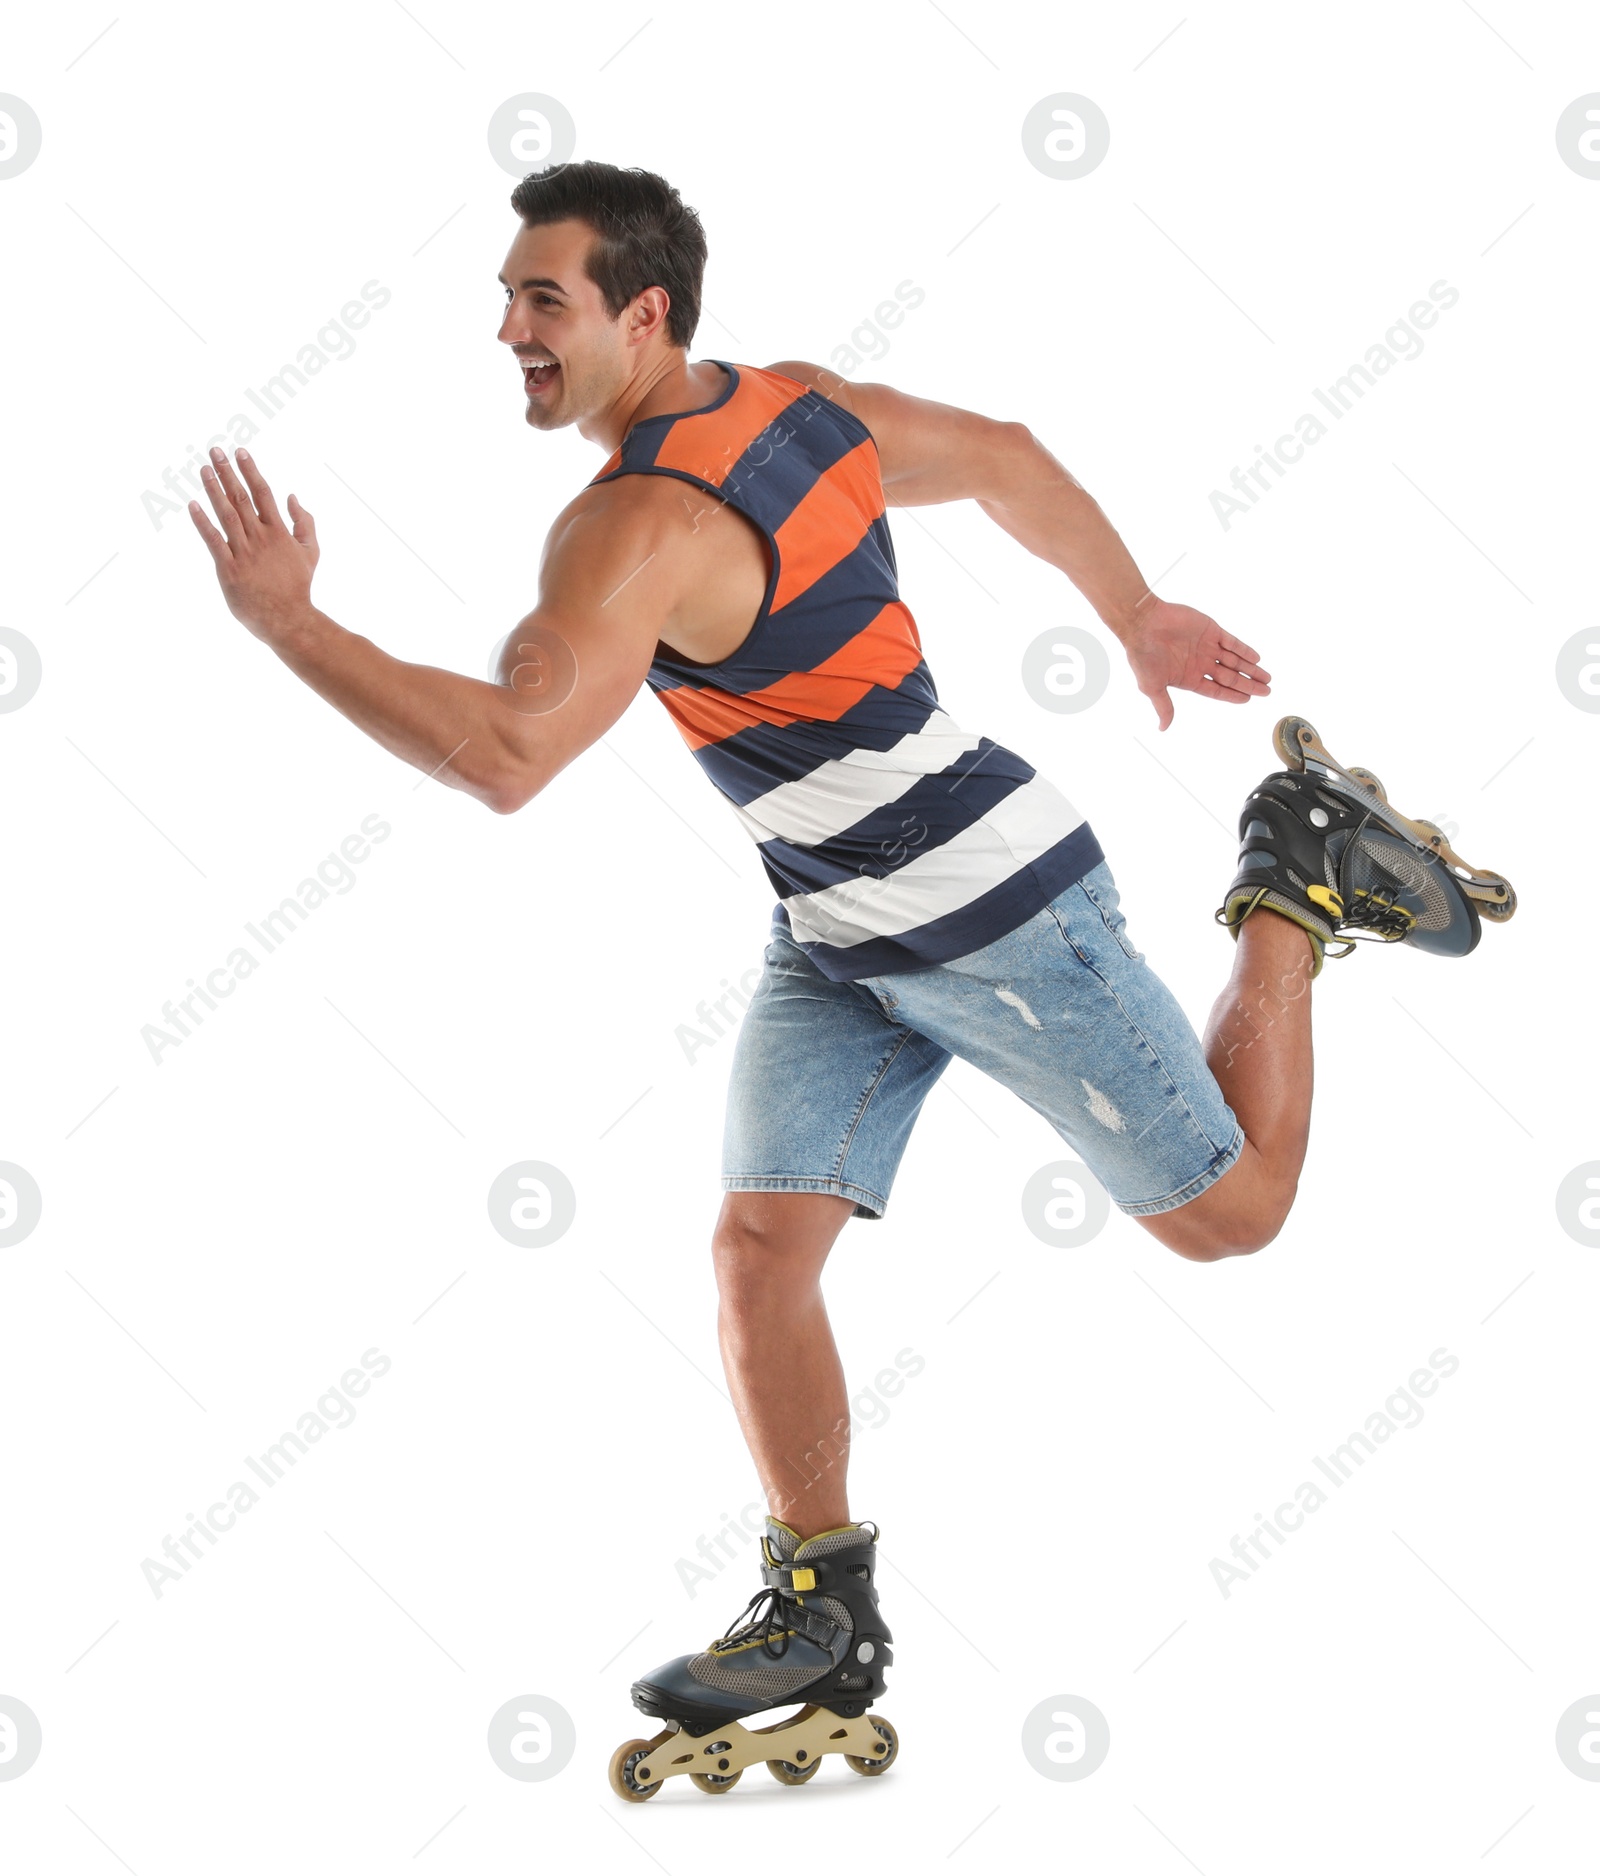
[1321,844]
[814,1634]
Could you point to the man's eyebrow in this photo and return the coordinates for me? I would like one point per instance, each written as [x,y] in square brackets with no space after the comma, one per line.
[542,281]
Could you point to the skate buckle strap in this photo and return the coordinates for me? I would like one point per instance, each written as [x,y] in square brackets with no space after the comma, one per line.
[784,1576]
[813,1623]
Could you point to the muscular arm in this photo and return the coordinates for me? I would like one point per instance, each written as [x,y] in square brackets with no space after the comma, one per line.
[931,452]
[567,672]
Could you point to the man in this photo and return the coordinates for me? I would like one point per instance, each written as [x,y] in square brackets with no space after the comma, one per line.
[937,896]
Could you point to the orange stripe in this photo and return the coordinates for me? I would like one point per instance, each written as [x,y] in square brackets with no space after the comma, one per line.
[708,444]
[828,524]
[883,652]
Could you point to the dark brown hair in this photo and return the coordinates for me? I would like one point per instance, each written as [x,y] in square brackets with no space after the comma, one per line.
[645,236]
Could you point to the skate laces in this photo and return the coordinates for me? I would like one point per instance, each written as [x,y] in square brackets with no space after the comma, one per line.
[769,1623]
[1377,911]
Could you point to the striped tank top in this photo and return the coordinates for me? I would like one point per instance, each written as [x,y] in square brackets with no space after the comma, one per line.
[894,838]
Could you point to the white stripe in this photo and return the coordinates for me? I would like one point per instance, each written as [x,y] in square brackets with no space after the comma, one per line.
[1027,823]
[837,794]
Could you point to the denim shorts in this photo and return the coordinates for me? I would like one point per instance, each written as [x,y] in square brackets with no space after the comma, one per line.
[828,1078]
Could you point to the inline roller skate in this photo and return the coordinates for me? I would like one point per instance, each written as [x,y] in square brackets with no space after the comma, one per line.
[815,1635]
[1321,844]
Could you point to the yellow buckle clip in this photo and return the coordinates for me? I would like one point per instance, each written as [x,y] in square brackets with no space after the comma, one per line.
[804,1579]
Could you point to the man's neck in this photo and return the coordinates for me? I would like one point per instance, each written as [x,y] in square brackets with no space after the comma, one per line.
[679,386]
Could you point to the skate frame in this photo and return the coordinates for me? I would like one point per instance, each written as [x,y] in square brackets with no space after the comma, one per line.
[800,1740]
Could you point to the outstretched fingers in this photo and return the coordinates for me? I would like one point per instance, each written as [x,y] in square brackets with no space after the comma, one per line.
[239,499]
[1235,683]
[221,552]
[222,502]
[1235,671]
[1242,659]
[256,482]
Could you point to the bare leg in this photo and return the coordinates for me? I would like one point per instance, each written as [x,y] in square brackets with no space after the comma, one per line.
[778,1350]
[1258,1045]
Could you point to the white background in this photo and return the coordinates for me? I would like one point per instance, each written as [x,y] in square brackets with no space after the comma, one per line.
[225,1233]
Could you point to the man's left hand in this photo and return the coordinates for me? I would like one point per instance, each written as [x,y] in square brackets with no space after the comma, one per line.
[1178,648]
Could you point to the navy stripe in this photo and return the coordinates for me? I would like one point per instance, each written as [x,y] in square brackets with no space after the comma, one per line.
[804,632]
[847,420]
[970,927]
[769,479]
[933,810]
[752,761]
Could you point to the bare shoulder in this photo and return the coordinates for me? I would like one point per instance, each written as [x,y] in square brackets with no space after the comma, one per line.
[646,545]
[611,536]
[623,502]
[622,517]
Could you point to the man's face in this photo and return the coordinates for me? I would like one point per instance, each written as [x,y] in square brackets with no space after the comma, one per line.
[555,314]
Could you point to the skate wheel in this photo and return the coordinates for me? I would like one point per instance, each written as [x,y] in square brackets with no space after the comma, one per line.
[789,1774]
[713,1785]
[1477,887]
[623,1760]
[1440,842]
[1287,738]
[880,1761]
[1368,780]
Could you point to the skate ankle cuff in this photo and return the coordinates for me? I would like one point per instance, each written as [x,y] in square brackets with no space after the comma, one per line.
[842,1555]
[839,1571]
[1239,906]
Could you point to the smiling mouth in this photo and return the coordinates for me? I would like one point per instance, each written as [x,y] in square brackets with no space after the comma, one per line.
[535,376]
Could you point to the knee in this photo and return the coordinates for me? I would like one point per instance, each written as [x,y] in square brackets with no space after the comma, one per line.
[756,1275]
[743,1255]
[1241,1235]
[760,1249]
[1211,1246]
